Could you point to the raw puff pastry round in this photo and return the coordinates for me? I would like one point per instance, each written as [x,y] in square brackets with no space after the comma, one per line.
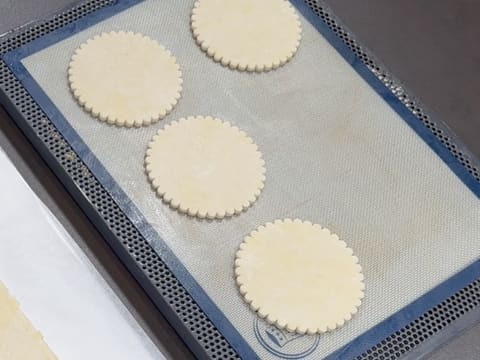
[299,276]
[247,35]
[125,79]
[205,167]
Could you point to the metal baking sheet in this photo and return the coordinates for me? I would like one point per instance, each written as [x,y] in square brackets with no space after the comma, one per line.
[369,170]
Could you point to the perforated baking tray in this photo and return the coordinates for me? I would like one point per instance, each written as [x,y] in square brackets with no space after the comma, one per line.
[398,165]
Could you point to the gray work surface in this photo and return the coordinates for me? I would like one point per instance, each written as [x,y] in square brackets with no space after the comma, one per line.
[429,46]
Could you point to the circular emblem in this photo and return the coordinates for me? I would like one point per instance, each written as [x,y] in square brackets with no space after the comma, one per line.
[284,344]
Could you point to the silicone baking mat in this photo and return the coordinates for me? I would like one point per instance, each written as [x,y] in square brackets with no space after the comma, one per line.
[340,150]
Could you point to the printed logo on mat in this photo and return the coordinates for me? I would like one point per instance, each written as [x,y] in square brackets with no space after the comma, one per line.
[282,343]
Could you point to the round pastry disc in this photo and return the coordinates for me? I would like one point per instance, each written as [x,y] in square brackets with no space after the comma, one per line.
[205,167]
[299,276]
[247,35]
[125,79]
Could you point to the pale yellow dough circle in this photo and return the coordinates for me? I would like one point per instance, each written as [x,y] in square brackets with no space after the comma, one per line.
[251,35]
[299,276]
[19,340]
[205,167]
[125,79]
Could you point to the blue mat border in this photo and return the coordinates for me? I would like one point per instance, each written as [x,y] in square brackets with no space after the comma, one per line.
[358,345]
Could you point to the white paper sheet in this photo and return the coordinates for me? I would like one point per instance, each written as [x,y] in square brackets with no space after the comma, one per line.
[57,287]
